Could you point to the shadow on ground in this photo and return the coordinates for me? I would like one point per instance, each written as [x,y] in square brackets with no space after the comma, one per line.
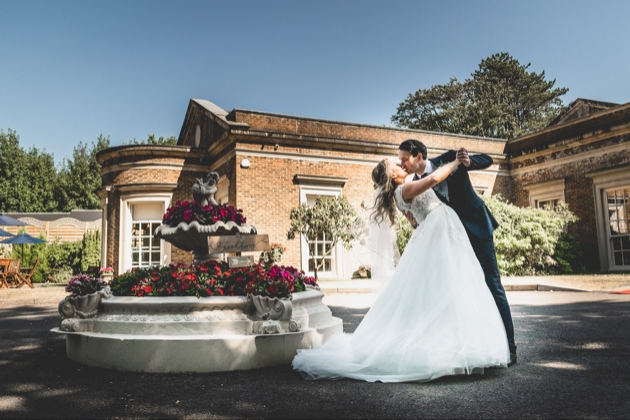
[574,361]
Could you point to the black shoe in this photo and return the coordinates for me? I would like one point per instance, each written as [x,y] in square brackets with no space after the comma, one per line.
[512,359]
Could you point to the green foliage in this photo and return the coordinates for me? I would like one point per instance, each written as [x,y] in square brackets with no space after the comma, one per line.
[30,182]
[332,217]
[80,179]
[568,254]
[151,140]
[404,230]
[501,99]
[90,254]
[27,179]
[58,261]
[527,239]
[28,254]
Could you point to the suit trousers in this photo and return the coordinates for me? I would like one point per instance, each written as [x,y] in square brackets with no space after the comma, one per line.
[484,250]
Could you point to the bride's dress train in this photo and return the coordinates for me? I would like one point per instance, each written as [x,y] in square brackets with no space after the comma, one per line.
[436,316]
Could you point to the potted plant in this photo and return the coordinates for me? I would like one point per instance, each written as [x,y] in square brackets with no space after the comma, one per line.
[107,273]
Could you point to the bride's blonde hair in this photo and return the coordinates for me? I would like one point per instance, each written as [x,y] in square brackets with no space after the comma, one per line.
[384,207]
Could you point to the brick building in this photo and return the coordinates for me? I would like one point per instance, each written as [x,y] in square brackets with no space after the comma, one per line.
[270,163]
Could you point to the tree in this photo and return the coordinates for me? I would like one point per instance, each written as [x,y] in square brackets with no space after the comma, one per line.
[151,140]
[334,218]
[80,177]
[501,100]
[27,179]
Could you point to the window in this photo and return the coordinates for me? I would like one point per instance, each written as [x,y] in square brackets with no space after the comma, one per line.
[618,205]
[321,247]
[611,192]
[141,214]
[547,204]
[546,195]
[312,187]
[145,251]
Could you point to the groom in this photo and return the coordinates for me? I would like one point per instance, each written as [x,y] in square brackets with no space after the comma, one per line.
[458,193]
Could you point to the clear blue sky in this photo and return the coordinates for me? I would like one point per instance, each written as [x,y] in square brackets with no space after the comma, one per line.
[72,70]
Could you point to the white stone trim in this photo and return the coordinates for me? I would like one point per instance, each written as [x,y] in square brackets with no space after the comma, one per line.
[550,190]
[602,181]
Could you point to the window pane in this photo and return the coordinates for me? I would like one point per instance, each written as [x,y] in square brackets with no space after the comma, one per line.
[155,258]
[311,265]
[320,249]
[146,229]
[625,243]
[327,265]
[626,258]
[618,259]
[134,257]
[146,242]
[145,257]
[616,242]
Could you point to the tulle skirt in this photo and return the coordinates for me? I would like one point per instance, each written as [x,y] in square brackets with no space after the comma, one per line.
[435,317]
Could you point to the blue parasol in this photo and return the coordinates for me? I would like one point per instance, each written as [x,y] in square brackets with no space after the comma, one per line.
[5,233]
[21,239]
[10,221]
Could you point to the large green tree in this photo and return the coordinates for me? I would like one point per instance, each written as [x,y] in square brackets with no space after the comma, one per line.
[502,99]
[80,177]
[27,178]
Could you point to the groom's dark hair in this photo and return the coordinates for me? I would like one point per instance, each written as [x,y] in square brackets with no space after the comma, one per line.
[414,147]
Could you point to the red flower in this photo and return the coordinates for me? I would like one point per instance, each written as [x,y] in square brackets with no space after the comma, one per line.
[208,291]
[148,289]
[221,292]
[273,288]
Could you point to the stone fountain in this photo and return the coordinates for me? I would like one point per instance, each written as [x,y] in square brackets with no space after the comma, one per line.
[190,334]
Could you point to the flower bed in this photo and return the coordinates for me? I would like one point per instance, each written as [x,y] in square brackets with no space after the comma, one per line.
[212,278]
[191,211]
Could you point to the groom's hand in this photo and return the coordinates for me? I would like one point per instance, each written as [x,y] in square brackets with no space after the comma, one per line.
[462,156]
[410,217]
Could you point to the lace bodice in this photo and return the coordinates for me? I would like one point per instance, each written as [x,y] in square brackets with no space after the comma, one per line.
[421,205]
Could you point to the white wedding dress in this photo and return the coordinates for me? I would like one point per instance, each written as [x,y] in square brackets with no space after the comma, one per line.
[435,317]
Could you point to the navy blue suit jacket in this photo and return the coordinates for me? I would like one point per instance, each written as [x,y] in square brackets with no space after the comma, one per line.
[470,208]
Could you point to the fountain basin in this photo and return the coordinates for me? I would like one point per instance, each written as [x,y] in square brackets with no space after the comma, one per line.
[189,334]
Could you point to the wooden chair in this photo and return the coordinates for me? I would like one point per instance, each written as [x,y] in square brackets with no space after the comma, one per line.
[23,279]
[13,270]
[4,269]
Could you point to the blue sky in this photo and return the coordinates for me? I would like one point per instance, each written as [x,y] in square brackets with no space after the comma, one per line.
[72,70]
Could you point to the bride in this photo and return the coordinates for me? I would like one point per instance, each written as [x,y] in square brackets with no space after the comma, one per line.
[436,316]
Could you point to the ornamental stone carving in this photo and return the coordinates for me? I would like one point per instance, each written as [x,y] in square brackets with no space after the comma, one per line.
[78,312]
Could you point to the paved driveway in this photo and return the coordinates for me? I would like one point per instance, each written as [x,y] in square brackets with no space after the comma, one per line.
[574,362]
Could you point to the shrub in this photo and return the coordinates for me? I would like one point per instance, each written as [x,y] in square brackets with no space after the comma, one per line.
[527,239]
[404,230]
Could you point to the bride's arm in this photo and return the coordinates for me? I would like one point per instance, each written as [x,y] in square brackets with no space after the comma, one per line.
[415,188]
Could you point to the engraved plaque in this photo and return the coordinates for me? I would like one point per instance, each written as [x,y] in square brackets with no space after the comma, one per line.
[237,243]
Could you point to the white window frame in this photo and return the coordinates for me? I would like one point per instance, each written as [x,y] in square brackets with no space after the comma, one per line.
[124,247]
[545,191]
[337,254]
[603,181]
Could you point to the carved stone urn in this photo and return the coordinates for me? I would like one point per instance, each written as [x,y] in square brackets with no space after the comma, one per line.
[78,310]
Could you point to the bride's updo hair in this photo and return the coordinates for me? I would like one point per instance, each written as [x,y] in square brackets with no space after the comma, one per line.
[384,207]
